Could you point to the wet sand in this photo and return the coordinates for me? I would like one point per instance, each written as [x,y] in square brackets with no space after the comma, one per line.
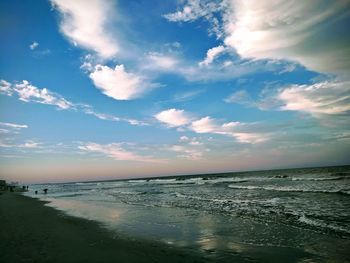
[32,232]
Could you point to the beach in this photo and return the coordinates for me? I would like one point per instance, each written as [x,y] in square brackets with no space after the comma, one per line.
[32,232]
[296,216]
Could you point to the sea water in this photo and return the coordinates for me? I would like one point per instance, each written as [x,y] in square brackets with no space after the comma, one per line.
[222,214]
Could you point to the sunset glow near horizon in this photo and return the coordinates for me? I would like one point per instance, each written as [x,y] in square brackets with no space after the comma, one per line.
[100,89]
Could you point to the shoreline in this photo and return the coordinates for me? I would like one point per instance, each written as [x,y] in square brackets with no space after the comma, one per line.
[32,232]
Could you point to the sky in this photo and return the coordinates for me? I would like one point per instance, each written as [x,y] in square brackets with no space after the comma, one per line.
[102,89]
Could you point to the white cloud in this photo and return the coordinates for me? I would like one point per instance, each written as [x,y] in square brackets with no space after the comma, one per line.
[117,83]
[328,97]
[173,117]
[34,45]
[211,55]
[14,125]
[189,148]
[205,125]
[186,96]
[312,33]
[232,129]
[239,131]
[117,152]
[136,122]
[85,24]
[187,153]
[4,144]
[293,30]
[184,138]
[160,61]
[239,96]
[193,10]
[251,138]
[103,116]
[30,144]
[5,88]
[191,141]
[30,93]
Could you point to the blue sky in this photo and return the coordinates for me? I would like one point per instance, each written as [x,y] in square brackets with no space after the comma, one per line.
[115,89]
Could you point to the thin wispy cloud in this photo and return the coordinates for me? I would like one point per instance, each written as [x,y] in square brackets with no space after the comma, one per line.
[187,152]
[28,93]
[30,144]
[329,97]
[13,125]
[117,152]
[187,95]
[321,99]
[160,62]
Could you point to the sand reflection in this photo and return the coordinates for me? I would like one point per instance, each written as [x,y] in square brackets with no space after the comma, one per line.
[87,210]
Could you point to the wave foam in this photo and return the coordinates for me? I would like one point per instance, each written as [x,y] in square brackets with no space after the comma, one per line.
[288,189]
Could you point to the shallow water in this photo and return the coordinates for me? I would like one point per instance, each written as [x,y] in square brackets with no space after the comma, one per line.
[224,215]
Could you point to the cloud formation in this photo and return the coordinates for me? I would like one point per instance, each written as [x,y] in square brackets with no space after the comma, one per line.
[34,45]
[173,117]
[194,9]
[320,99]
[117,152]
[183,120]
[236,130]
[117,83]
[328,97]
[293,30]
[211,55]
[13,125]
[29,93]
[278,29]
[159,61]
[240,97]
[187,152]
[84,23]
[30,144]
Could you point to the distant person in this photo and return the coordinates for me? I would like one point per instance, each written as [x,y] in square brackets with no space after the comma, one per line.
[23,187]
[27,187]
[36,192]
[45,191]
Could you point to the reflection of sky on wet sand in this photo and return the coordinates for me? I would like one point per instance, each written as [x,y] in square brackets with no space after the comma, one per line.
[87,210]
[215,235]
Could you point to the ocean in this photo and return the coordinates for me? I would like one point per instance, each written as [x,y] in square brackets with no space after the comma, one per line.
[224,215]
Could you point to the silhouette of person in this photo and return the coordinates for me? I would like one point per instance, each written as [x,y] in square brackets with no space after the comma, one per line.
[45,191]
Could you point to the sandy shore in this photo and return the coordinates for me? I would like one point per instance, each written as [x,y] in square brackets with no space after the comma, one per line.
[32,232]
